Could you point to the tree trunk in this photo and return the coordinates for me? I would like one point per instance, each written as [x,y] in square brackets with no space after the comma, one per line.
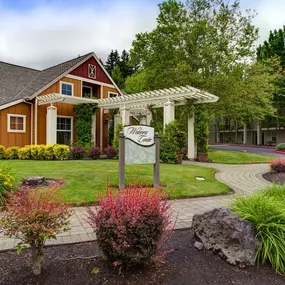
[37,258]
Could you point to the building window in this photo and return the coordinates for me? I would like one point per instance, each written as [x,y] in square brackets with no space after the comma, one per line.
[112,94]
[87,92]
[274,137]
[91,71]
[66,88]
[16,123]
[64,130]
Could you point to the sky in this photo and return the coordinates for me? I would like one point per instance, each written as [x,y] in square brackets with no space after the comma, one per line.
[41,33]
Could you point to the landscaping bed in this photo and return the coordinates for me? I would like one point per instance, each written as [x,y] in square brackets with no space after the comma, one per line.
[185,265]
[275,177]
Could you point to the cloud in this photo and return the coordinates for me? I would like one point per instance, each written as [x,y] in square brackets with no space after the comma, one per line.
[50,33]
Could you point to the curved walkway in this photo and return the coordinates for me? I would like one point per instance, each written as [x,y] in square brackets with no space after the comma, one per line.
[243,179]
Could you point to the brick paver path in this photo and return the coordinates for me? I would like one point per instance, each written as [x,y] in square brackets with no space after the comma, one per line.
[243,179]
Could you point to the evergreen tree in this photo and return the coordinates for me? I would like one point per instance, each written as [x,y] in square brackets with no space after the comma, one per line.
[112,60]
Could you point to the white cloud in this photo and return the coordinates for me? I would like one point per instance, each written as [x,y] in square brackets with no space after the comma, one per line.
[49,34]
[52,32]
[270,15]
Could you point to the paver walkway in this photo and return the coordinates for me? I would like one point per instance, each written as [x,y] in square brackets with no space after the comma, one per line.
[243,179]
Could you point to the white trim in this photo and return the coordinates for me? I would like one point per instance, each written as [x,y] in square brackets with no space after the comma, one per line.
[67,83]
[36,121]
[95,71]
[101,120]
[90,80]
[11,104]
[68,117]
[56,97]
[117,94]
[81,85]
[9,123]
[91,90]
[58,78]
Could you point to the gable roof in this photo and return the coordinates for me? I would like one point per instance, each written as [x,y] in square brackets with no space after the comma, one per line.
[13,78]
[36,81]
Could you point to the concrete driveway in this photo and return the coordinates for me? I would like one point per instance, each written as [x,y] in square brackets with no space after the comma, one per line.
[258,150]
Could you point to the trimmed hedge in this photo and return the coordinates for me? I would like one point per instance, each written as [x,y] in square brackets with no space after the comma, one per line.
[280,146]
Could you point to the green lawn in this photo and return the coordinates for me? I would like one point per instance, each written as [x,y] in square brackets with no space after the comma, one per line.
[236,157]
[83,180]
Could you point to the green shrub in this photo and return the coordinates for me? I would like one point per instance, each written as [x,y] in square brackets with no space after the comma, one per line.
[49,152]
[173,129]
[202,128]
[2,152]
[119,128]
[12,152]
[25,152]
[168,149]
[37,152]
[280,146]
[265,210]
[7,183]
[61,152]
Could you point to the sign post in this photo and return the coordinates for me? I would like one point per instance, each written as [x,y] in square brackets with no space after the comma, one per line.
[138,144]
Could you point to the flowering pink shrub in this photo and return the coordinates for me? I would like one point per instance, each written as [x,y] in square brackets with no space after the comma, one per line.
[77,152]
[94,152]
[110,151]
[132,225]
[33,217]
[278,165]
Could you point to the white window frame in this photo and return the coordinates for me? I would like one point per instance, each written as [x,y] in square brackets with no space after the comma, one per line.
[91,90]
[111,92]
[90,75]
[71,136]
[68,83]
[9,123]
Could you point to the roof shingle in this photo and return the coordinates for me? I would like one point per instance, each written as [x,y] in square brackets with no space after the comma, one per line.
[21,82]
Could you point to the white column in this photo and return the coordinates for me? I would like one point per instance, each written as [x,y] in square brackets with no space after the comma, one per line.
[148,117]
[94,129]
[192,147]
[51,125]
[258,132]
[125,114]
[143,120]
[244,134]
[168,112]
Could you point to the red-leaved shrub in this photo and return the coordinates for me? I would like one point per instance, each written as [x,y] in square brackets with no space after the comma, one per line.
[110,151]
[77,152]
[94,152]
[33,217]
[278,165]
[132,225]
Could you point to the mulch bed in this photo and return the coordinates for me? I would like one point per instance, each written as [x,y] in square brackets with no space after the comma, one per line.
[275,177]
[49,182]
[185,265]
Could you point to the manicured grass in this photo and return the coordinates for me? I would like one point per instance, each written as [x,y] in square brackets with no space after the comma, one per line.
[83,180]
[236,157]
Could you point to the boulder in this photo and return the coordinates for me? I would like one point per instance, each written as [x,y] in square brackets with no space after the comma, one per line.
[33,181]
[227,235]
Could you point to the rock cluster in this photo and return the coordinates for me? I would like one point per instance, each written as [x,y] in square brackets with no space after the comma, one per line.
[226,235]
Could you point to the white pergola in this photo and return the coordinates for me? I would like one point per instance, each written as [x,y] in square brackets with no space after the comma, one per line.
[135,105]
[138,104]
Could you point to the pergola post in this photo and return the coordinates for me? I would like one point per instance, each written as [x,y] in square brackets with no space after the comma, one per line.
[51,125]
[125,114]
[143,120]
[94,129]
[192,153]
[148,117]
[168,112]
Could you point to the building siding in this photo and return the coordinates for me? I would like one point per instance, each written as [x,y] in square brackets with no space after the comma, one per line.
[15,139]
[82,71]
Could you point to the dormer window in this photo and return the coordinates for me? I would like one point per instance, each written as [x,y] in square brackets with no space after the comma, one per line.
[91,71]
